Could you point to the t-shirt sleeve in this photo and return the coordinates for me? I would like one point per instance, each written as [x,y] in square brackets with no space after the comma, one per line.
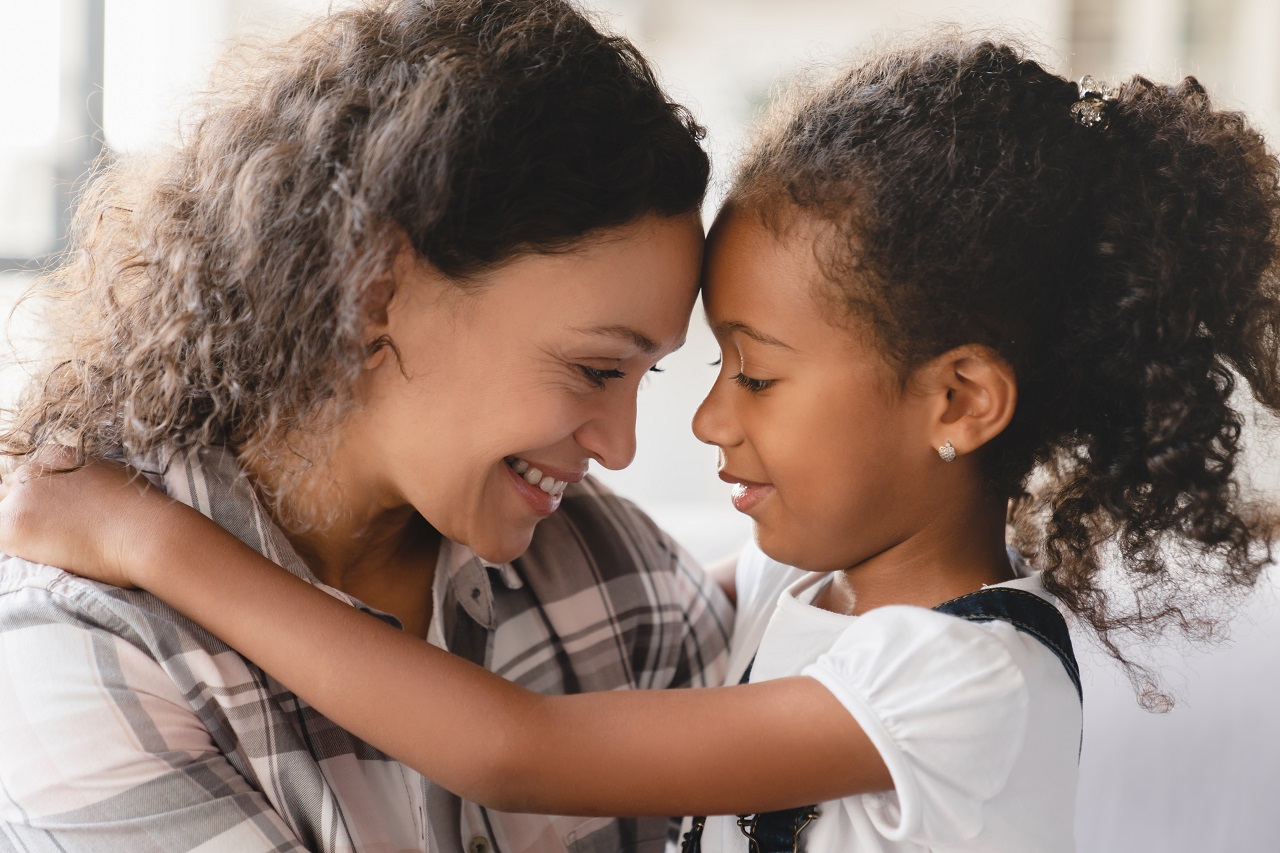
[945,704]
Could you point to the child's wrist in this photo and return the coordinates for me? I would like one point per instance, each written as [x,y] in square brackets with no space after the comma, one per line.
[155,554]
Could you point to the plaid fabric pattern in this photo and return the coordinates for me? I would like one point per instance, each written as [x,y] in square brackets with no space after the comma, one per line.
[124,727]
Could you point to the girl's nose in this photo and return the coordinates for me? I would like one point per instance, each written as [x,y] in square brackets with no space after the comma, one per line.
[713,422]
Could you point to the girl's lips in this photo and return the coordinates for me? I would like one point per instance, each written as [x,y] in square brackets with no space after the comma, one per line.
[539,501]
[746,494]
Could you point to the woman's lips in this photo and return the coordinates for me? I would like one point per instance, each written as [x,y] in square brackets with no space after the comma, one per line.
[539,501]
[541,485]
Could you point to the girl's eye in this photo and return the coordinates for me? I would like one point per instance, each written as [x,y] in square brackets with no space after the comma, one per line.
[597,377]
[754,386]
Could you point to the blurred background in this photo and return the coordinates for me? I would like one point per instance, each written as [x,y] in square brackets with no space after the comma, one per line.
[80,75]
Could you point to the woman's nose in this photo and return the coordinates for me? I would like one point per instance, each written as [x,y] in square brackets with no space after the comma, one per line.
[610,434]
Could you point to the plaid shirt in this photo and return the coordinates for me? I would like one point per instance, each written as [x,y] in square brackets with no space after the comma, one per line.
[125,727]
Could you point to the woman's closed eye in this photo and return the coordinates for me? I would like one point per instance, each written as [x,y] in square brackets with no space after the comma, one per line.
[600,377]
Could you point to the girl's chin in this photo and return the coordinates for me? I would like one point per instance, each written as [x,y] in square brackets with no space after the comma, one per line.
[785,549]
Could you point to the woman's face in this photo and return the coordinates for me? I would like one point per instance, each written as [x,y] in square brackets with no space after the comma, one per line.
[533,369]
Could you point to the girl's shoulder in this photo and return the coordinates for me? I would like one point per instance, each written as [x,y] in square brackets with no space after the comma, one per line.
[919,644]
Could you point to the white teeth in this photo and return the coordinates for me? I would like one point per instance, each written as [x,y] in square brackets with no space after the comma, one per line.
[535,477]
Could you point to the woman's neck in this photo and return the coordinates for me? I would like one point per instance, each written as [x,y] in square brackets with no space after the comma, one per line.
[355,537]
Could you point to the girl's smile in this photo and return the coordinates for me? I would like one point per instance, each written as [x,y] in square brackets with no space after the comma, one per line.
[746,494]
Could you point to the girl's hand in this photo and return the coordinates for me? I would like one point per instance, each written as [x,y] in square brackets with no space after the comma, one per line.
[96,521]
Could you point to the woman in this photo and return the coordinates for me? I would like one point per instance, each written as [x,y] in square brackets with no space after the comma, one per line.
[376,314]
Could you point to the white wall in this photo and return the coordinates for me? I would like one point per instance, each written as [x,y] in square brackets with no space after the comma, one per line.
[723,57]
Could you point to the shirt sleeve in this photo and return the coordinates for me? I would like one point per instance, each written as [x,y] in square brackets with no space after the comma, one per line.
[946,706]
[102,752]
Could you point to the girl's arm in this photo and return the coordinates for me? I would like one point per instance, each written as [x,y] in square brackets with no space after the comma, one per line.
[745,749]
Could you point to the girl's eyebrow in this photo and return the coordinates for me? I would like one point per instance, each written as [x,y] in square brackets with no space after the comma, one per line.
[730,326]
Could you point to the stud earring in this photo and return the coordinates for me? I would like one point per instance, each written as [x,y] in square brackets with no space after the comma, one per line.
[947,452]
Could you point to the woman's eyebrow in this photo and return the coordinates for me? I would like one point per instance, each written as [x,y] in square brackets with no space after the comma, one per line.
[642,341]
[730,326]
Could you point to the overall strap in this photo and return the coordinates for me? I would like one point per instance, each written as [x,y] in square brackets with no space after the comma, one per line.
[1027,612]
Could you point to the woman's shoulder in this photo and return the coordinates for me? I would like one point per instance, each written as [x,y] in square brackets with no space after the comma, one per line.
[32,594]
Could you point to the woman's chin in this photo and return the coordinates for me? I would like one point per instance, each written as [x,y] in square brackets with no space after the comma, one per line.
[502,547]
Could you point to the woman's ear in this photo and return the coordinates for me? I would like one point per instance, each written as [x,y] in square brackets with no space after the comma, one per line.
[374,308]
[974,391]
[379,294]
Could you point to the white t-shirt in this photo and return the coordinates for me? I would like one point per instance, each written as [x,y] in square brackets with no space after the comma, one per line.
[978,723]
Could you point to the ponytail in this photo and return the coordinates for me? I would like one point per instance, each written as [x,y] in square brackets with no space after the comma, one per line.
[1185,303]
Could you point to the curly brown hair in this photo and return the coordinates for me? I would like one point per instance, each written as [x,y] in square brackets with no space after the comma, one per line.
[215,297]
[1127,273]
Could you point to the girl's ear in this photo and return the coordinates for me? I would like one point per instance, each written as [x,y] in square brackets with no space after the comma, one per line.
[975,392]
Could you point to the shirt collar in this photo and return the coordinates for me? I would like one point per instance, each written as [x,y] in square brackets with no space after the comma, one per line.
[456,557]
[469,579]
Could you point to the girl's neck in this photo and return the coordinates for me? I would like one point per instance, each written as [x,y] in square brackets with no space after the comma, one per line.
[960,550]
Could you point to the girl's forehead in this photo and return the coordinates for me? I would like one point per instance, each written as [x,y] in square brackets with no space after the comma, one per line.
[749,259]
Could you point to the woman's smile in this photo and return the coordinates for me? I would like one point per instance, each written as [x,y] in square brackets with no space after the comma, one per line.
[540,485]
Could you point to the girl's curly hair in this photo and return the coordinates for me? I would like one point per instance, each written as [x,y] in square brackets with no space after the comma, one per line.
[215,297]
[1128,273]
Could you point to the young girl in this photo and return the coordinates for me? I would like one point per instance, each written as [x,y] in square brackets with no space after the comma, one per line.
[941,280]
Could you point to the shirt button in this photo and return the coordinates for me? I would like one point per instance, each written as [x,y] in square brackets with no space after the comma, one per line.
[479,844]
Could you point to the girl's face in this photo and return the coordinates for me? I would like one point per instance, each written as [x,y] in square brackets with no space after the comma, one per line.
[536,366]
[828,456]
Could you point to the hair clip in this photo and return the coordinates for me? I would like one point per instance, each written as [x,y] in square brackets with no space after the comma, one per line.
[1092,108]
